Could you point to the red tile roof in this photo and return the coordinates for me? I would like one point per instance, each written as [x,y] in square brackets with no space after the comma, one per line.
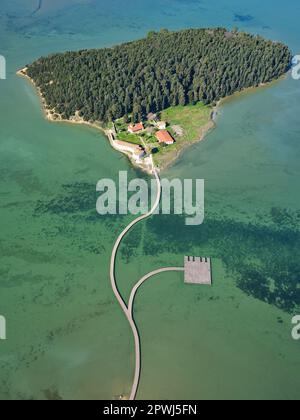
[136,127]
[163,136]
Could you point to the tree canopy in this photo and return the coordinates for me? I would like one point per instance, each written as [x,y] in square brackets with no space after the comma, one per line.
[164,69]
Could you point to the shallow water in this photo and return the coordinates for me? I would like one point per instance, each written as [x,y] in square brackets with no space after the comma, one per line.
[66,335]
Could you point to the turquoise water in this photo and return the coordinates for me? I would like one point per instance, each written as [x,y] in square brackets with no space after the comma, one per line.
[67,337]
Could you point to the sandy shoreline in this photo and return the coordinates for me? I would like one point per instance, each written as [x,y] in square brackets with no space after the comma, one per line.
[52,116]
[56,118]
[203,133]
[48,112]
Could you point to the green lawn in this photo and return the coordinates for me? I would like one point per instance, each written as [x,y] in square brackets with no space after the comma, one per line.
[150,139]
[130,138]
[191,119]
[194,120]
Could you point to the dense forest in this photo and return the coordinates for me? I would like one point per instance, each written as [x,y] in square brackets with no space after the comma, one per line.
[165,69]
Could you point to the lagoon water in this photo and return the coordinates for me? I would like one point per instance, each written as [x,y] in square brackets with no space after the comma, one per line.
[66,335]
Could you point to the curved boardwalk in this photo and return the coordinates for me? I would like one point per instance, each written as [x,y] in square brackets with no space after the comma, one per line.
[136,336]
[147,277]
[128,310]
[119,240]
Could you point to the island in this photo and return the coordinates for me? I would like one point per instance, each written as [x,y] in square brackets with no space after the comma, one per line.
[155,96]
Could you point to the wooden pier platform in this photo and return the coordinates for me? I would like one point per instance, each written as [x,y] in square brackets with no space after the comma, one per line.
[197,270]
